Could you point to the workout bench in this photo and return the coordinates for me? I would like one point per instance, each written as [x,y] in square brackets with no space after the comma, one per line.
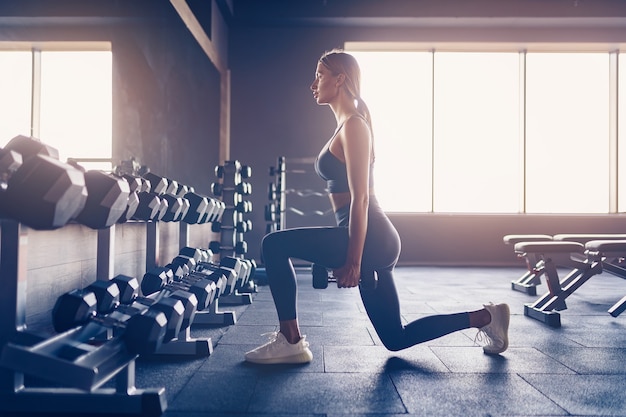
[528,282]
[583,260]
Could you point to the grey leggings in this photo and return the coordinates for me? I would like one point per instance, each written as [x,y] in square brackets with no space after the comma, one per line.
[327,246]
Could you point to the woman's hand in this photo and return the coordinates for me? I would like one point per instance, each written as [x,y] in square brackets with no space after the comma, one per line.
[347,276]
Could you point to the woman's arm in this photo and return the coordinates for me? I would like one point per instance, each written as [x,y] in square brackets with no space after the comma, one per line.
[356,145]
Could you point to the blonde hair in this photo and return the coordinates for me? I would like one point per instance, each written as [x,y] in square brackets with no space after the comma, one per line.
[340,62]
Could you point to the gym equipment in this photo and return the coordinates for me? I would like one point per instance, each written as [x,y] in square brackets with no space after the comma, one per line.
[198,208]
[29,146]
[161,279]
[10,161]
[238,273]
[181,343]
[143,332]
[198,269]
[177,208]
[321,278]
[77,367]
[583,262]
[275,214]
[231,189]
[179,308]
[529,281]
[131,207]
[42,193]
[243,188]
[107,200]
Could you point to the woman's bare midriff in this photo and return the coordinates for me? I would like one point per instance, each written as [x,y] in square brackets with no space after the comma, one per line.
[339,200]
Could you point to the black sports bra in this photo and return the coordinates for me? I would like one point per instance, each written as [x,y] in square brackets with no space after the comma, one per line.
[333,171]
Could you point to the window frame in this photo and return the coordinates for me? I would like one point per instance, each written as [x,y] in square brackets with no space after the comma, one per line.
[613,51]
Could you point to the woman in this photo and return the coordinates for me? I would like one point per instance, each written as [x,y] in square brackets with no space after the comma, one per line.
[363,242]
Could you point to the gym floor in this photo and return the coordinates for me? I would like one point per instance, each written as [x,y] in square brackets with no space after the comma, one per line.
[578,369]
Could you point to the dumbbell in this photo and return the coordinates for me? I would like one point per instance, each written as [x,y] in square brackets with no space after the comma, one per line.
[136,185]
[198,254]
[272,192]
[243,226]
[121,294]
[271,211]
[243,206]
[199,205]
[171,191]
[235,168]
[142,332]
[161,279]
[107,200]
[179,307]
[321,278]
[150,207]
[160,185]
[229,269]
[177,208]
[244,188]
[159,198]
[186,269]
[41,192]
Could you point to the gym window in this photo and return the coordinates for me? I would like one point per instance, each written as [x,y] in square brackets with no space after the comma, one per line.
[479,130]
[61,94]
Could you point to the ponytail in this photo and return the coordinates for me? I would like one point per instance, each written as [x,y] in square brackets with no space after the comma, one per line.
[340,62]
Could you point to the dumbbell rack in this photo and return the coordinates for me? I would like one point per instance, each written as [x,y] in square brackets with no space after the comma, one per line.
[95,368]
[275,210]
[184,344]
[233,226]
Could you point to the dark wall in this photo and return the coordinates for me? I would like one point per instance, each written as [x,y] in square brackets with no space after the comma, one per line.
[273,114]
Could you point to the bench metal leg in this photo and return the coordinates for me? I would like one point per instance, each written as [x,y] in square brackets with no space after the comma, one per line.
[546,307]
[528,282]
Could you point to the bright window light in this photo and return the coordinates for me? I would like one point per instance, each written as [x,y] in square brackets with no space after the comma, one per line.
[567,132]
[76,104]
[621,133]
[397,88]
[476,152]
[15,94]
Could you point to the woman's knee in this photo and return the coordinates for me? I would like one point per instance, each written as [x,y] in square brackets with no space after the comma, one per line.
[392,342]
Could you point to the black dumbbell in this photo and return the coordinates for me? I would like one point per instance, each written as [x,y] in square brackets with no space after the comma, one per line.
[179,308]
[244,188]
[229,268]
[189,300]
[41,192]
[243,206]
[198,254]
[321,278]
[10,161]
[121,293]
[271,212]
[107,200]
[177,208]
[29,146]
[198,207]
[143,332]
[161,280]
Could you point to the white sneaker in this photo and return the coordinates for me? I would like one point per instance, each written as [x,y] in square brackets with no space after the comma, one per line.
[495,335]
[279,350]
